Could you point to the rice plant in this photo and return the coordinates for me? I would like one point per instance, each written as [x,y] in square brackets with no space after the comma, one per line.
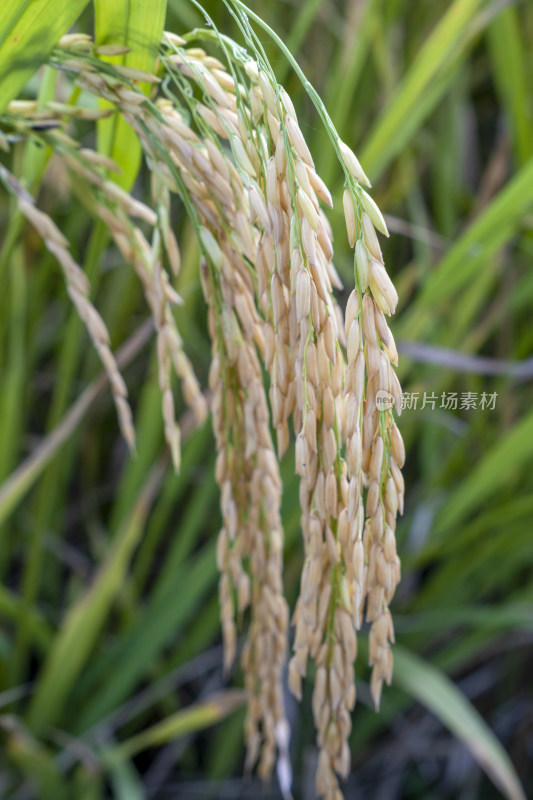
[188,163]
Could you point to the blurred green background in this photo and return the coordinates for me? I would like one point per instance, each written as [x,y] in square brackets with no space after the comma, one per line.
[108,602]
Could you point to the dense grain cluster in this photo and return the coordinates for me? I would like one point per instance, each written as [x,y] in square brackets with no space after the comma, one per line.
[247,471]
[227,140]
[374,445]
[307,374]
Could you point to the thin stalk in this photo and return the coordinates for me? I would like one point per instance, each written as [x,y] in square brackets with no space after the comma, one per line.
[311,91]
[13,380]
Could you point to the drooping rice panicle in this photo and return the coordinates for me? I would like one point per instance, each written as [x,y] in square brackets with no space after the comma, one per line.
[115,209]
[225,137]
[248,473]
[373,440]
[78,288]
[247,468]
[307,373]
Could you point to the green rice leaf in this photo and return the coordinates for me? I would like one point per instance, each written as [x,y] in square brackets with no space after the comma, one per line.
[37,761]
[85,619]
[125,780]
[508,55]
[139,26]
[498,223]
[500,220]
[442,48]
[15,487]
[23,478]
[433,689]
[29,29]
[500,465]
[184,722]
[118,670]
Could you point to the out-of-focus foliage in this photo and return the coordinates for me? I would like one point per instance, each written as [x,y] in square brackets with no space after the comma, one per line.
[107,566]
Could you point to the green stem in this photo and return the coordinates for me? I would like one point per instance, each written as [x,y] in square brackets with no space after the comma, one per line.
[13,397]
[311,91]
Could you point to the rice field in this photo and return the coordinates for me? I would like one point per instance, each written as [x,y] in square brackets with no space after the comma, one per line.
[235,243]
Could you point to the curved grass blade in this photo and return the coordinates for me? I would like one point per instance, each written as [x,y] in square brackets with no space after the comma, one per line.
[139,26]
[471,252]
[298,33]
[20,482]
[500,464]
[345,73]
[186,721]
[515,616]
[86,618]
[126,783]
[28,32]
[11,607]
[35,760]
[509,58]
[433,689]
[444,46]
[118,670]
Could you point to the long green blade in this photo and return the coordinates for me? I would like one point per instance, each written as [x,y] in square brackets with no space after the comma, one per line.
[86,618]
[473,250]
[506,41]
[442,48]
[142,644]
[501,464]
[184,722]
[16,486]
[433,688]
[139,26]
[29,29]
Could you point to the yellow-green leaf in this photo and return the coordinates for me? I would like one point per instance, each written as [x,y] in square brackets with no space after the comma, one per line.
[446,44]
[435,690]
[85,619]
[186,721]
[137,24]
[29,29]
